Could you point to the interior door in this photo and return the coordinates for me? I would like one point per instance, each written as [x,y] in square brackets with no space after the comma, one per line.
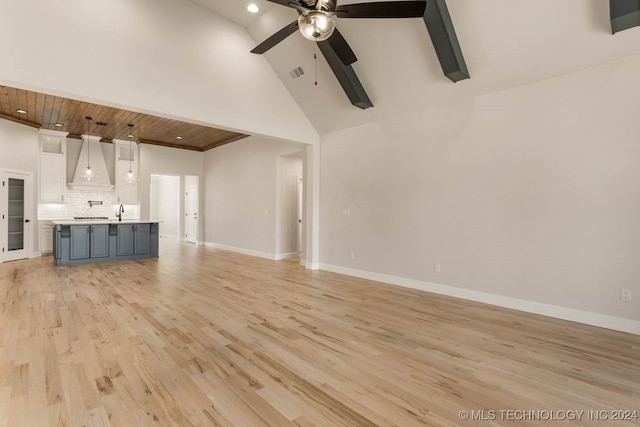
[16,221]
[191,213]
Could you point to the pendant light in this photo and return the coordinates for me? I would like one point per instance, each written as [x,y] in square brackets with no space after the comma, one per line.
[87,174]
[130,178]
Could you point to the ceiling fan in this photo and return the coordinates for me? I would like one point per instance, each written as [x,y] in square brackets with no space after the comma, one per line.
[317,21]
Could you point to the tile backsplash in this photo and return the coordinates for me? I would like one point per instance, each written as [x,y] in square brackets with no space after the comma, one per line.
[77,204]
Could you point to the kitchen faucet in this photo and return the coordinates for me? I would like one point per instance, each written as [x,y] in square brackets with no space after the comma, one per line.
[119,213]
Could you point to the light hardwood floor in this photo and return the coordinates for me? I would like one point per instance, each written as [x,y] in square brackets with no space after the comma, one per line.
[203,337]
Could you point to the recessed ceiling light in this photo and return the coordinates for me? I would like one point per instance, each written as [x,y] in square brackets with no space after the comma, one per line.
[178,137]
[21,111]
[58,125]
[253,8]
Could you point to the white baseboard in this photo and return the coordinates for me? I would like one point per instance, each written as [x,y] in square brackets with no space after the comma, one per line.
[309,265]
[242,250]
[286,255]
[564,313]
[171,236]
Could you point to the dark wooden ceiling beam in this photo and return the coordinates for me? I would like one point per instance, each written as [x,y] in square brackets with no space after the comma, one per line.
[624,14]
[169,145]
[21,121]
[346,77]
[445,42]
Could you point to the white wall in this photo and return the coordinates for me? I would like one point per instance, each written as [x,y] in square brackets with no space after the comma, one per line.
[165,204]
[165,57]
[154,198]
[170,202]
[18,147]
[530,194]
[19,152]
[289,168]
[169,161]
[241,185]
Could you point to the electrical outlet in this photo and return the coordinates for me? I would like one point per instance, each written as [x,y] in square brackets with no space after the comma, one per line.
[436,268]
[352,255]
[346,211]
[625,295]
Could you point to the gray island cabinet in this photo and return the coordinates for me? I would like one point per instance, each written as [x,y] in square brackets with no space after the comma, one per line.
[76,242]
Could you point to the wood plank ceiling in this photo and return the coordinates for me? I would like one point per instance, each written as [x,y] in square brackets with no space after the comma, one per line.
[64,114]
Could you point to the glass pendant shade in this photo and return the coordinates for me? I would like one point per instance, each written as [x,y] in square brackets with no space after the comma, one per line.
[317,25]
[130,178]
[88,175]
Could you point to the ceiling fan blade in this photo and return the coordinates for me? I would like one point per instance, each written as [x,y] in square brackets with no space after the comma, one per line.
[383,9]
[283,2]
[293,4]
[298,7]
[276,38]
[342,48]
[346,76]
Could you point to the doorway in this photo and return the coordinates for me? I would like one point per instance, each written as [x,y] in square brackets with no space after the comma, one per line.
[289,215]
[15,213]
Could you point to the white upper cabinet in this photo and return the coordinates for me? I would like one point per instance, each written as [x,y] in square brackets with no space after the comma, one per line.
[126,159]
[52,166]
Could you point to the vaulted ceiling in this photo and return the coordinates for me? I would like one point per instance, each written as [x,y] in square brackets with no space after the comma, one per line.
[505,44]
[190,59]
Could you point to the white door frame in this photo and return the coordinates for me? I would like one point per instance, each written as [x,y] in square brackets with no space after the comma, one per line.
[300,212]
[191,203]
[29,218]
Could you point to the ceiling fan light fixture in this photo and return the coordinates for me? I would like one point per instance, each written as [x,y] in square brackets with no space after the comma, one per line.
[317,25]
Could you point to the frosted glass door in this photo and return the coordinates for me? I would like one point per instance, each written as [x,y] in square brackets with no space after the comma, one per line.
[15,231]
[15,238]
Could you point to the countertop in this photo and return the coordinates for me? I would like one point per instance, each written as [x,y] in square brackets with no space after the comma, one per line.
[101,221]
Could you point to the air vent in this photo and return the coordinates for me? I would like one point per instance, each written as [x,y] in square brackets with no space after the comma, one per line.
[296,72]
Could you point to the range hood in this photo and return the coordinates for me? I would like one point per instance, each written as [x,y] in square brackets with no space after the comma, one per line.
[91,153]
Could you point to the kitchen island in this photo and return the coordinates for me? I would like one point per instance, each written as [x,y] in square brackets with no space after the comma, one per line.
[89,241]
